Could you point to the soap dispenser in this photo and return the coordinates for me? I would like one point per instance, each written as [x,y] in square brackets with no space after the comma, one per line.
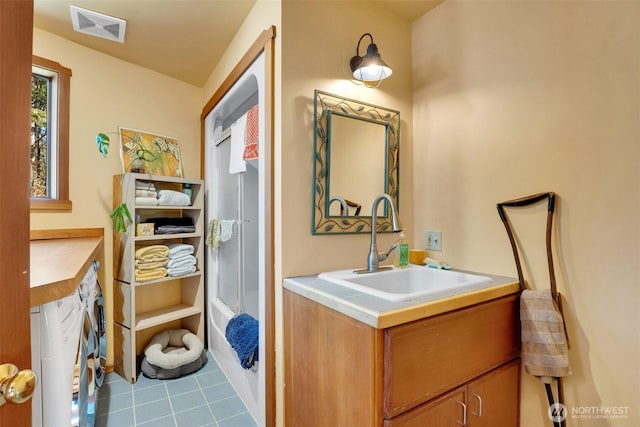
[402,256]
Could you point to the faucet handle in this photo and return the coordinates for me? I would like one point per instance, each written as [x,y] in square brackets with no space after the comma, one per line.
[383,256]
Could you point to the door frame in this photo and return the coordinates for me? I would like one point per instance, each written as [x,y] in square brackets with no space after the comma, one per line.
[264,43]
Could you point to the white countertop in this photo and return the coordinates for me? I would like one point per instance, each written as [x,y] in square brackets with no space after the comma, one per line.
[380,313]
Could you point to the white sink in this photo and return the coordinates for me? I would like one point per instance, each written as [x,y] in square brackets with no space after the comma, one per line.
[410,283]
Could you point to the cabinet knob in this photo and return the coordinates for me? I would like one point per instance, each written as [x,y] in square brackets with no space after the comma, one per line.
[16,386]
[464,414]
[479,413]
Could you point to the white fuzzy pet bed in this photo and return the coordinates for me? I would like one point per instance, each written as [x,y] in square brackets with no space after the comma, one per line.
[172,354]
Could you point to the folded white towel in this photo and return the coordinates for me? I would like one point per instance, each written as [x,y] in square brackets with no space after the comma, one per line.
[173,198]
[180,271]
[141,185]
[146,201]
[179,249]
[146,193]
[183,261]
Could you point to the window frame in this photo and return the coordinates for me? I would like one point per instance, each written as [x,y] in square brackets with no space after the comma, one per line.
[61,200]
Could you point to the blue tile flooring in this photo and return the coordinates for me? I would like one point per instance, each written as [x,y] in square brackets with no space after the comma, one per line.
[204,398]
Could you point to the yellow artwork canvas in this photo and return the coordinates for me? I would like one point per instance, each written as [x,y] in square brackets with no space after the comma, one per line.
[150,153]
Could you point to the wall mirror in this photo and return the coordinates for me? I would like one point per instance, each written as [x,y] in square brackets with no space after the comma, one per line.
[356,147]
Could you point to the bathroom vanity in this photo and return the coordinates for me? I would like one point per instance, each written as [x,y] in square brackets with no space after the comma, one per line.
[355,359]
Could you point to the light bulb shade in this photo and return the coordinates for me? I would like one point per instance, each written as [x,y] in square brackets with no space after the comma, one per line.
[371,67]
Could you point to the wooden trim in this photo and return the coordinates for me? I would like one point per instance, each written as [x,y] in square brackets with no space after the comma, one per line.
[50,65]
[61,202]
[65,233]
[270,353]
[265,42]
[245,62]
[444,305]
[50,205]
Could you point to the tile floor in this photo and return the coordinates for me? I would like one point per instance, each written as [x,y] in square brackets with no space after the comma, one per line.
[204,398]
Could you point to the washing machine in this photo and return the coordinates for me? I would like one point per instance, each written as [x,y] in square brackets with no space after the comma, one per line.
[67,357]
[91,363]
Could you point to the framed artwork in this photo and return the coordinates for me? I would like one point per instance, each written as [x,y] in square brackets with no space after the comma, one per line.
[147,152]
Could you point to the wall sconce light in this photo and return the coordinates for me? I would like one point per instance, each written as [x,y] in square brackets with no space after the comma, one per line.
[371,67]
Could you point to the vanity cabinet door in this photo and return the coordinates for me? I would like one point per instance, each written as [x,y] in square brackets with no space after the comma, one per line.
[492,400]
[428,357]
[489,401]
[448,410]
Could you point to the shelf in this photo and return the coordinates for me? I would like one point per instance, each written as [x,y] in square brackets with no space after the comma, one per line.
[166,237]
[167,208]
[160,301]
[167,279]
[164,315]
[162,178]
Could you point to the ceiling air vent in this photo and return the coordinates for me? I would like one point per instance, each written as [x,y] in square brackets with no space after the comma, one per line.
[97,24]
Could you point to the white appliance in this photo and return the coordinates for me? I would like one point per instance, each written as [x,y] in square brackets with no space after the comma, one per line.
[65,352]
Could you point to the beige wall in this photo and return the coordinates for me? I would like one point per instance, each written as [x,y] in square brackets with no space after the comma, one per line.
[107,93]
[514,98]
[264,14]
[318,39]
[314,42]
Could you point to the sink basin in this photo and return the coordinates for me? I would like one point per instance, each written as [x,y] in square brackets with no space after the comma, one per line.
[410,283]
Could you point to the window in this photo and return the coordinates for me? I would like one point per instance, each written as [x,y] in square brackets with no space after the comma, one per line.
[50,83]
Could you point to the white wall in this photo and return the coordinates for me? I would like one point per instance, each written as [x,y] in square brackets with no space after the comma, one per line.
[515,98]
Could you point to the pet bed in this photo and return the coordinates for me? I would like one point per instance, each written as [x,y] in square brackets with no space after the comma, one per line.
[172,354]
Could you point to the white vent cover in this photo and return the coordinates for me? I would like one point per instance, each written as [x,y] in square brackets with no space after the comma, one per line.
[97,24]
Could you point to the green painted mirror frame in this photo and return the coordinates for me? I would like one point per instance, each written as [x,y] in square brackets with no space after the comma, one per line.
[326,107]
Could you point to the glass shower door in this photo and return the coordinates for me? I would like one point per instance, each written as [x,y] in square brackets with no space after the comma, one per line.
[227,207]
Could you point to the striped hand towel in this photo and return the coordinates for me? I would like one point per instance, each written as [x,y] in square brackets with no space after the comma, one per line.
[544,344]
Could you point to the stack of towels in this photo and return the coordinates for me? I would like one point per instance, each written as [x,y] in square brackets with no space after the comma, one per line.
[146,194]
[181,260]
[151,262]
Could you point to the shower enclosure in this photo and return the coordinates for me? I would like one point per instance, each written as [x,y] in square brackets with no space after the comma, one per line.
[235,270]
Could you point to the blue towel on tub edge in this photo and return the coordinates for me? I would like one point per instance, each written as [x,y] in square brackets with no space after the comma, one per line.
[243,334]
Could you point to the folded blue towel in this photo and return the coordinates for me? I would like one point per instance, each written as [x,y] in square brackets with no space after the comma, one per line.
[243,335]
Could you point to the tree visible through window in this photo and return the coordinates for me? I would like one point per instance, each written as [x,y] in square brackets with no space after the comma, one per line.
[40,93]
[50,83]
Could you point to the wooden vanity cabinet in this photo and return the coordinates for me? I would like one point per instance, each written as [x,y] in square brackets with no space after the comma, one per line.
[490,401]
[341,372]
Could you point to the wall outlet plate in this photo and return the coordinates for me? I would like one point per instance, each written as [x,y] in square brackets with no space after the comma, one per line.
[433,240]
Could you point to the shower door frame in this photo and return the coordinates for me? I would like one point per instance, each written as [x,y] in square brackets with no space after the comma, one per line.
[264,43]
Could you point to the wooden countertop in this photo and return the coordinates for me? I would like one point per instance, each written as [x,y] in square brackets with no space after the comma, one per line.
[381,313]
[59,260]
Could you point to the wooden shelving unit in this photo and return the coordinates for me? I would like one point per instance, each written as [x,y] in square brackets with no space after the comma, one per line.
[142,309]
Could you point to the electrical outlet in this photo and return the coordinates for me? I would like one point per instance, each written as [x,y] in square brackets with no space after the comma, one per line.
[433,240]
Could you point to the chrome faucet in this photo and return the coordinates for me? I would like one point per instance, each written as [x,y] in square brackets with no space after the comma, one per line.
[373,261]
